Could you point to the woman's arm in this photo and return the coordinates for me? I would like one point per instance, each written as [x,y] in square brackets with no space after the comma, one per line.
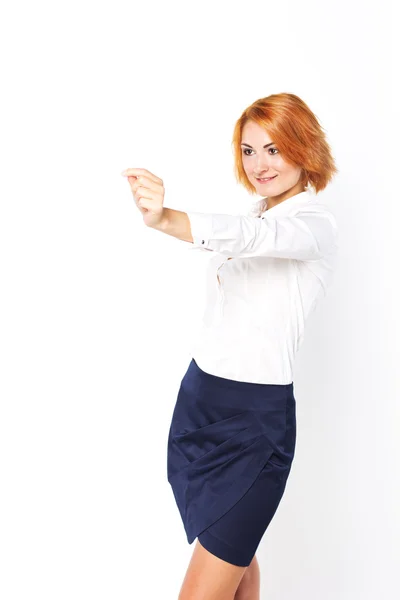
[309,234]
[176,223]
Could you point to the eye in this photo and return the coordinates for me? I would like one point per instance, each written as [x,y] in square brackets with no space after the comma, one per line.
[250,150]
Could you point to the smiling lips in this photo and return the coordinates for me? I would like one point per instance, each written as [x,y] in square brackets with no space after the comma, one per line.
[266,179]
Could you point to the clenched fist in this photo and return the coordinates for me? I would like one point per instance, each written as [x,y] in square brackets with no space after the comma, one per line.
[148,193]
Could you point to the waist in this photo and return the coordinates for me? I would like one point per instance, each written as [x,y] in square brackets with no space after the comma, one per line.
[208,387]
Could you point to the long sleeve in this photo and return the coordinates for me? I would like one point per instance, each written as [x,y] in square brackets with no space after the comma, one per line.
[309,234]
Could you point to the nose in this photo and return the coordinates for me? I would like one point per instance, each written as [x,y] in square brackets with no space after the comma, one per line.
[261,166]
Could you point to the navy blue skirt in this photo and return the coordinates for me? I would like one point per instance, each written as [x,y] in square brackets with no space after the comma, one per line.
[230,449]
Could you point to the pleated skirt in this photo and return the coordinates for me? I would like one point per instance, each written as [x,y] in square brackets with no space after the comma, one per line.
[230,449]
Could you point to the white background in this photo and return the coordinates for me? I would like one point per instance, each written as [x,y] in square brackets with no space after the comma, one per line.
[97,310]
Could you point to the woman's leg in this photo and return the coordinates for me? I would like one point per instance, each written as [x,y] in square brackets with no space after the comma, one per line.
[249,586]
[209,577]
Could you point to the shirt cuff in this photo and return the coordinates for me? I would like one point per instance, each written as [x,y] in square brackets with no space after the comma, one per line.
[201,229]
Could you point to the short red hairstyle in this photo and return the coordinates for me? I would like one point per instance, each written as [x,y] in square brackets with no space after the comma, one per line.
[296,131]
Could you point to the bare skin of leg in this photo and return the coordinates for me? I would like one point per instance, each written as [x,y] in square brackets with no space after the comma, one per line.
[209,577]
[249,586]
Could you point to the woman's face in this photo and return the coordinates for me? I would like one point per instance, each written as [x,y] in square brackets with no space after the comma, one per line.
[261,158]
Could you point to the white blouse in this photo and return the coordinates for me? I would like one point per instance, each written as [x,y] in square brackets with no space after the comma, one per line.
[269,270]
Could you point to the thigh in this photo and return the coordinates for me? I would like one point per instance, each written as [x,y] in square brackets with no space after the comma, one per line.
[249,586]
[210,577]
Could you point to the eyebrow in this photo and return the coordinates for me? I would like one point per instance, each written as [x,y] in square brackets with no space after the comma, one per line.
[248,145]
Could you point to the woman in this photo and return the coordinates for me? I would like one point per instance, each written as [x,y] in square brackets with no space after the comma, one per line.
[233,430]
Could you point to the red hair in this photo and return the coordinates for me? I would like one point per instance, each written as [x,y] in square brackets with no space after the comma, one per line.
[296,131]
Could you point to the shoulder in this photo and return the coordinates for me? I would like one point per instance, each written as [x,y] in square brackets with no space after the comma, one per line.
[314,208]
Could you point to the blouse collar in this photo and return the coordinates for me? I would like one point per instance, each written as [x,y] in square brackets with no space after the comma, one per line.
[260,206]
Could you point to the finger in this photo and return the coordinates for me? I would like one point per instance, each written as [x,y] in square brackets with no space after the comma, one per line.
[137,172]
[146,200]
[145,182]
[145,192]
[147,203]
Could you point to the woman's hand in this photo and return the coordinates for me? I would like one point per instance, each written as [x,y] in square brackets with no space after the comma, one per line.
[148,193]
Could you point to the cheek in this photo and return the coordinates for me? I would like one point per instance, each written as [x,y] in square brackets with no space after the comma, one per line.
[246,164]
[291,172]
[286,168]
[281,165]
